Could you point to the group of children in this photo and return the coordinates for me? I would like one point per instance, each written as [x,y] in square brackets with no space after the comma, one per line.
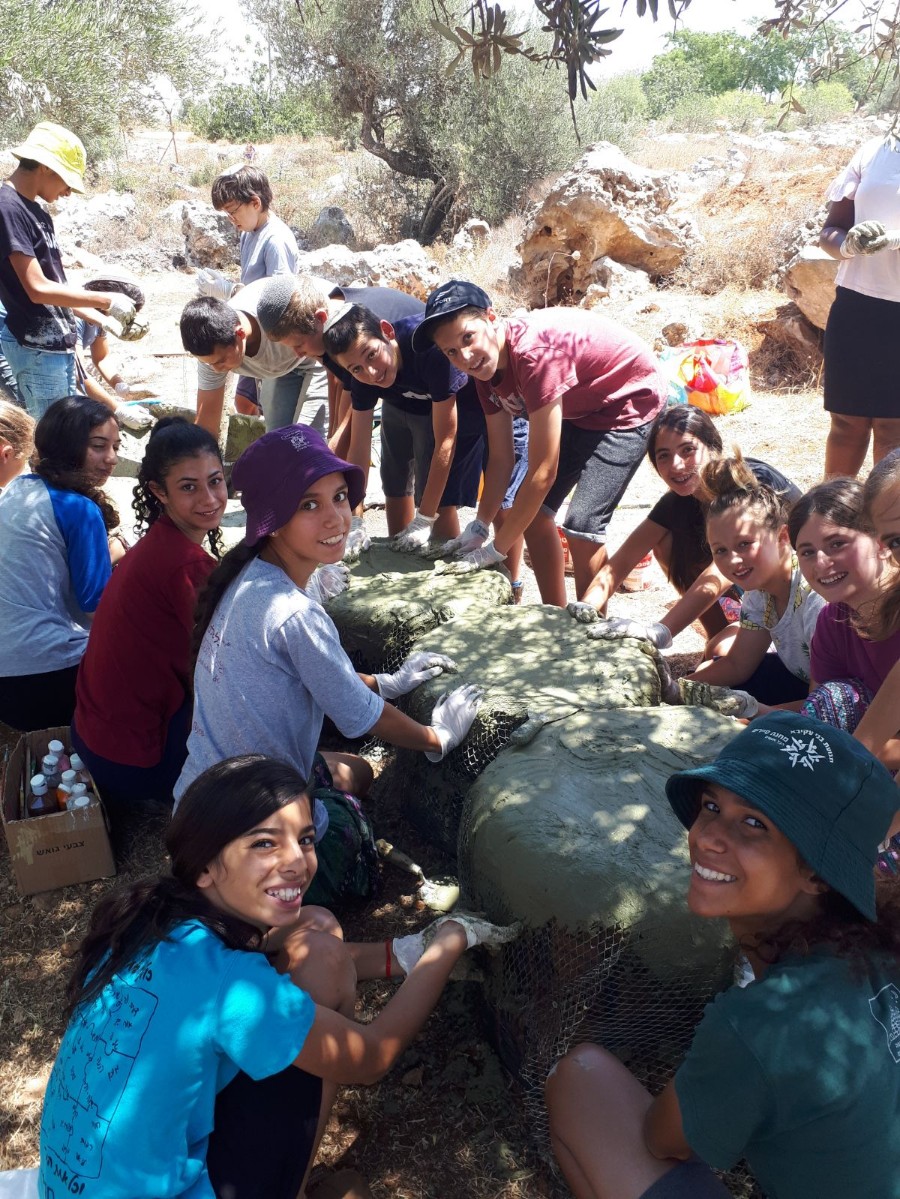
[218,706]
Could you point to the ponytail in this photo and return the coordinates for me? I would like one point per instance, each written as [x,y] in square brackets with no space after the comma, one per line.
[217,584]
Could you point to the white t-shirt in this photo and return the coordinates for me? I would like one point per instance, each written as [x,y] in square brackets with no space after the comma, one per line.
[271,360]
[872,181]
[792,634]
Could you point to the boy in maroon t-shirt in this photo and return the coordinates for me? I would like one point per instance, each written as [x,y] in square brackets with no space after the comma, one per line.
[590,390]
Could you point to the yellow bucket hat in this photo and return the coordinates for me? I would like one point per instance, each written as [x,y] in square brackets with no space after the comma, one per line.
[55,147]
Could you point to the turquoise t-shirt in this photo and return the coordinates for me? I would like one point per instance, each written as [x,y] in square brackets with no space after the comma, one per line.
[799,1073]
[129,1105]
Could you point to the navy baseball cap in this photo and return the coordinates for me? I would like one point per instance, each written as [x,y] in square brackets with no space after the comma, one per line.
[450,297]
[832,799]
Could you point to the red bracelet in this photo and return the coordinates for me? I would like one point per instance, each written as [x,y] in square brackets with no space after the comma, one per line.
[387,959]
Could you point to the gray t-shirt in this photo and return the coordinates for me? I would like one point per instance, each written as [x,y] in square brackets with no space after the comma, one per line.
[271,360]
[270,668]
[271,250]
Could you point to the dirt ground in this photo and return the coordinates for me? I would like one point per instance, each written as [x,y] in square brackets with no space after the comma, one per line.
[447,1120]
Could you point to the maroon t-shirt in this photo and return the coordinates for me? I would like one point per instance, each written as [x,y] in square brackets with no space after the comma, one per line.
[838,652]
[604,376]
[134,675]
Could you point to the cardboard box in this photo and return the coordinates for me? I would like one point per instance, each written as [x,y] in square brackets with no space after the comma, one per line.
[56,850]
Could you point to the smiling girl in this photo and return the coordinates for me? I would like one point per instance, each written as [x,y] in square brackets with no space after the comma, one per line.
[746,528]
[682,441]
[798,1072]
[190,1066]
[54,528]
[133,739]
[844,563]
[261,636]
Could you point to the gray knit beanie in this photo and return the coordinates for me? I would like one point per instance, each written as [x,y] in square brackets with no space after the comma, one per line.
[273,301]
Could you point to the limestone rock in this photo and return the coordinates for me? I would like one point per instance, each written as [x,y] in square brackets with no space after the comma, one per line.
[158,411]
[404,265]
[79,219]
[331,227]
[210,238]
[790,328]
[605,206]
[809,280]
[131,455]
[474,232]
[615,283]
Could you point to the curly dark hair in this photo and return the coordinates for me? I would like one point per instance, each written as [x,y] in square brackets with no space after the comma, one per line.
[838,926]
[61,440]
[172,440]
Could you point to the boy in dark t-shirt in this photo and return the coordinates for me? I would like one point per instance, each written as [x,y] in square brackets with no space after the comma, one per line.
[432,428]
[39,335]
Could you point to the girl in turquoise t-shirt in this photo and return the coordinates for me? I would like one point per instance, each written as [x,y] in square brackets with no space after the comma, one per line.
[798,1071]
[211,1016]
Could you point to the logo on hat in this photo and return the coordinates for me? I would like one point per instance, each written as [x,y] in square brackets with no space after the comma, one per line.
[803,752]
[299,441]
[804,748]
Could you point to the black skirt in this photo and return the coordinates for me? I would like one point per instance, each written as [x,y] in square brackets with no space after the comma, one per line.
[862,367]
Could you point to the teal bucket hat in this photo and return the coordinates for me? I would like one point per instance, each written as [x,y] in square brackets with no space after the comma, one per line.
[830,797]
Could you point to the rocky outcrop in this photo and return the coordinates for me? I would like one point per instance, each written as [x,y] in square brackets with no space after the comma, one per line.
[790,329]
[79,219]
[210,239]
[809,279]
[604,207]
[474,233]
[330,228]
[403,264]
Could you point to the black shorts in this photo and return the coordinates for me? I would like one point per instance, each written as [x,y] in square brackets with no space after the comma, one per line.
[861,336]
[688,1180]
[263,1135]
[599,464]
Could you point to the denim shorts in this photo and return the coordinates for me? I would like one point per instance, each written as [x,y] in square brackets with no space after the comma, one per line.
[297,398]
[407,446]
[520,467]
[42,377]
[599,464]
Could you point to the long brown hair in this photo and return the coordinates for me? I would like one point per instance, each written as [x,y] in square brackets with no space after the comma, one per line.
[217,584]
[220,805]
[884,619]
[61,440]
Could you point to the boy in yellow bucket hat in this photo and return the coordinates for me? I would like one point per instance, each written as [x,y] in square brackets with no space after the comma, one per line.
[38,331]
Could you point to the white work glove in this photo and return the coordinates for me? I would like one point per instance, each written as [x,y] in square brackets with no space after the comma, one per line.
[452,718]
[407,950]
[729,702]
[121,308]
[327,581]
[122,390]
[134,416]
[415,536]
[357,540]
[583,612]
[417,668]
[473,537]
[889,240]
[612,630]
[862,239]
[214,284]
[477,559]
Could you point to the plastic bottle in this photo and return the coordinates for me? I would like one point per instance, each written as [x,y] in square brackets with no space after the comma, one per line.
[79,798]
[79,767]
[50,770]
[64,790]
[57,747]
[40,801]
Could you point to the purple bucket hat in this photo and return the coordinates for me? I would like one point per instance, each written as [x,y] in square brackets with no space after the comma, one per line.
[275,473]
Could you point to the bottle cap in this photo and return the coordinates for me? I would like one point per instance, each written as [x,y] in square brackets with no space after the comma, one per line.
[69,776]
[78,801]
[50,760]
[55,747]
[76,762]
[79,789]
[38,784]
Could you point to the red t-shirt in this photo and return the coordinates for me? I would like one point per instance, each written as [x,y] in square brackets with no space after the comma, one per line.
[134,675]
[604,375]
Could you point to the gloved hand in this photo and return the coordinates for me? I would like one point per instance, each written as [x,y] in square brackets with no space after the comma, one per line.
[739,704]
[583,612]
[612,630]
[452,718]
[417,668]
[327,581]
[408,950]
[134,417]
[122,390]
[415,536]
[478,559]
[860,238]
[135,329]
[121,308]
[889,240]
[214,284]
[473,537]
[357,540]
